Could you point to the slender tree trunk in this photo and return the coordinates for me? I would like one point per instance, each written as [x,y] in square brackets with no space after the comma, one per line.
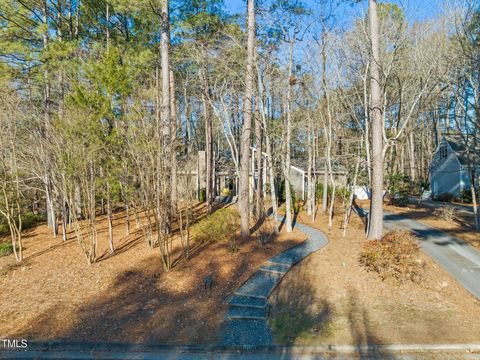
[259,190]
[173,108]
[110,221]
[325,186]
[288,195]
[208,140]
[163,201]
[269,165]
[107,23]
[411,143]
[367,123]
[352,194]
[375,228]
[247,124]
[309,167]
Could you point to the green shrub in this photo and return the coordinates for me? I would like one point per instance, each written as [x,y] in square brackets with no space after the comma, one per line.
[202,196]
[342,192]
[6,248]
[395,256]
[398,186]
[29,220]
[466,196]
[444,197]
[283,194]
[219,226]
[400,201]
[319,190]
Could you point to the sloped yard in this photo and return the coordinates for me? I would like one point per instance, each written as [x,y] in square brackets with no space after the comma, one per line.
[125,297]
[330,299]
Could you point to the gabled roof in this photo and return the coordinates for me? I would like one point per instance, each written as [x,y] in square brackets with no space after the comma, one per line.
[302,163]
[460,144]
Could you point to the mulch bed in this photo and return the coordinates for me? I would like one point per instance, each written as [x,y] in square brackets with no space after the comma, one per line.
[126,297]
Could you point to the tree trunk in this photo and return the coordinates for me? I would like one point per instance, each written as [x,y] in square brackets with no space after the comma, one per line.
[110,222]
[375,227]
[288,195]
[411,143]
[247,123]
[208,136]
[259,190]
[269,165]
[163,201]
[325,186]
[309,167]
[173,109]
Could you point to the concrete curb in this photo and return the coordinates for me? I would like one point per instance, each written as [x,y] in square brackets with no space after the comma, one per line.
[60,346]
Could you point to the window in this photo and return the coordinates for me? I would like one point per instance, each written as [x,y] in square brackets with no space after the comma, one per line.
[443,152]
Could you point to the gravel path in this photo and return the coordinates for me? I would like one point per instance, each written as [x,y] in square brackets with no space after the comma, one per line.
[246,319]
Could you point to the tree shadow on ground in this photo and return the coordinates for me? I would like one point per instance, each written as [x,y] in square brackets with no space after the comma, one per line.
[299,317]
[360,328]
[427,232]
[147,305]
[296,313]
[143,306]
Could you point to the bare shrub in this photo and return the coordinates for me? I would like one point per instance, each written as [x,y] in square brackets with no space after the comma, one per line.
[395,256]
[265,232]
[447,213]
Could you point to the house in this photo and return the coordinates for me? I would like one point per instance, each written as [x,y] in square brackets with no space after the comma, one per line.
[299,179]
[191,174]
[454,165]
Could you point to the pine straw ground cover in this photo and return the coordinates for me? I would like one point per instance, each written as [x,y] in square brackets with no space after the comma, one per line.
[125,297]
[330,298]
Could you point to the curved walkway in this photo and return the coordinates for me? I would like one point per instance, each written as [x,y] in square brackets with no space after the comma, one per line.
[246,319]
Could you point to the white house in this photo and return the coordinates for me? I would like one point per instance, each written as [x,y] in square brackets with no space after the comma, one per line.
[449,169]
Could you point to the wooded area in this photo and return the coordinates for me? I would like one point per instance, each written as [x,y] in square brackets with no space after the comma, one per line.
[106,102]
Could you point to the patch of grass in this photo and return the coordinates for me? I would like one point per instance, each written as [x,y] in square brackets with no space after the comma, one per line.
[6,248]
[395,256]
[298,326]
[219,226]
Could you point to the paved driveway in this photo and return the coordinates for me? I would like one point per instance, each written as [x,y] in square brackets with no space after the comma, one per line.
[463,209]
[456,256]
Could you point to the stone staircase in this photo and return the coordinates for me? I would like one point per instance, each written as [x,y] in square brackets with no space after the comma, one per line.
[248,311]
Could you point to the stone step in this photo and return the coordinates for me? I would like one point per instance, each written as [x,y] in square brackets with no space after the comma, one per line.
[295,254]
[275,268]
[260,284]
[245,333]
[242,312]
[247,301]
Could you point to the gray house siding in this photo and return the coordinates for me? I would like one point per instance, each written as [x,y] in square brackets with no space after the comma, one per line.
[464,180]
[297,181]
[449,169]
[446,178]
